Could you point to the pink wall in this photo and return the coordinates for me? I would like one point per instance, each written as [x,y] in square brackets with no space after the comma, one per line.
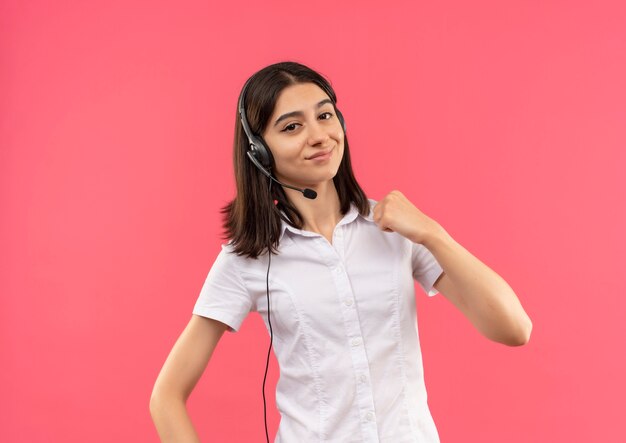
[503,121]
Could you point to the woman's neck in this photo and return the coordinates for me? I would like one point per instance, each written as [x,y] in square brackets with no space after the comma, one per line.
[323,212]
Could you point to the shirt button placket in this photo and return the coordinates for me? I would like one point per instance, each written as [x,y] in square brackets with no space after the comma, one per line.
[364,394]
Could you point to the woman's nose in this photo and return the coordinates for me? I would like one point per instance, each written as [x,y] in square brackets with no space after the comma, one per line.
[317,133]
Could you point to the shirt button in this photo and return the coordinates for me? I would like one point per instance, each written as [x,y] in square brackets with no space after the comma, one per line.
[370,416]
[362,378]
[355,341]
[348,301]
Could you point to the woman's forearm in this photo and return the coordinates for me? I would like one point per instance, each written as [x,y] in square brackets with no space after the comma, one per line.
[172,421]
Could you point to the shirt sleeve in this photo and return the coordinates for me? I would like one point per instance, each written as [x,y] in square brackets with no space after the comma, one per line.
[426,269]
[224,296]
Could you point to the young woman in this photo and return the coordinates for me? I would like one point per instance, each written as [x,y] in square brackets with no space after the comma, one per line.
[332,274]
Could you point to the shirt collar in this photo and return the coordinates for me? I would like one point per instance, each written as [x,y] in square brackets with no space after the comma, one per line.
[350,216]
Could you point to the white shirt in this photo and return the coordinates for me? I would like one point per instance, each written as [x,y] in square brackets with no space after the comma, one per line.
[345,330]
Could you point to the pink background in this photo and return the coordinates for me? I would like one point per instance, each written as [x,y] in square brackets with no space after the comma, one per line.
[503,121]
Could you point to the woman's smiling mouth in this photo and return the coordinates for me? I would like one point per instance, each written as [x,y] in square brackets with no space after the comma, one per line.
[322,155]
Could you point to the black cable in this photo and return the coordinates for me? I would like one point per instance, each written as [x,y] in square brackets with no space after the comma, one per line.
[268,315]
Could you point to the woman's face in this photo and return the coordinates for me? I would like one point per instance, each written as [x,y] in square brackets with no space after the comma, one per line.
[303,124]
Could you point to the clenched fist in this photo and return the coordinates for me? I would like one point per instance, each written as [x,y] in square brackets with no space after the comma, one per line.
[395,213]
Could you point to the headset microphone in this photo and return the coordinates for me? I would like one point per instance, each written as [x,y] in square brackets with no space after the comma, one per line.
[308,193]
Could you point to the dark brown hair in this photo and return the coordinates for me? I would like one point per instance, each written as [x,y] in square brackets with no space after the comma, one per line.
[251,220]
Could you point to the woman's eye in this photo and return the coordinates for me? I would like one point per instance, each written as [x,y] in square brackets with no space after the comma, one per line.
[289,128]
[292,126]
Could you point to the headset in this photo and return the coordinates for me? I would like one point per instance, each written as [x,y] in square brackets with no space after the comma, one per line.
[260,155]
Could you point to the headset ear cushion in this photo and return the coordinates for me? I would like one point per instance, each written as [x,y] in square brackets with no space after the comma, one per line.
[343,122]
[261,152]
